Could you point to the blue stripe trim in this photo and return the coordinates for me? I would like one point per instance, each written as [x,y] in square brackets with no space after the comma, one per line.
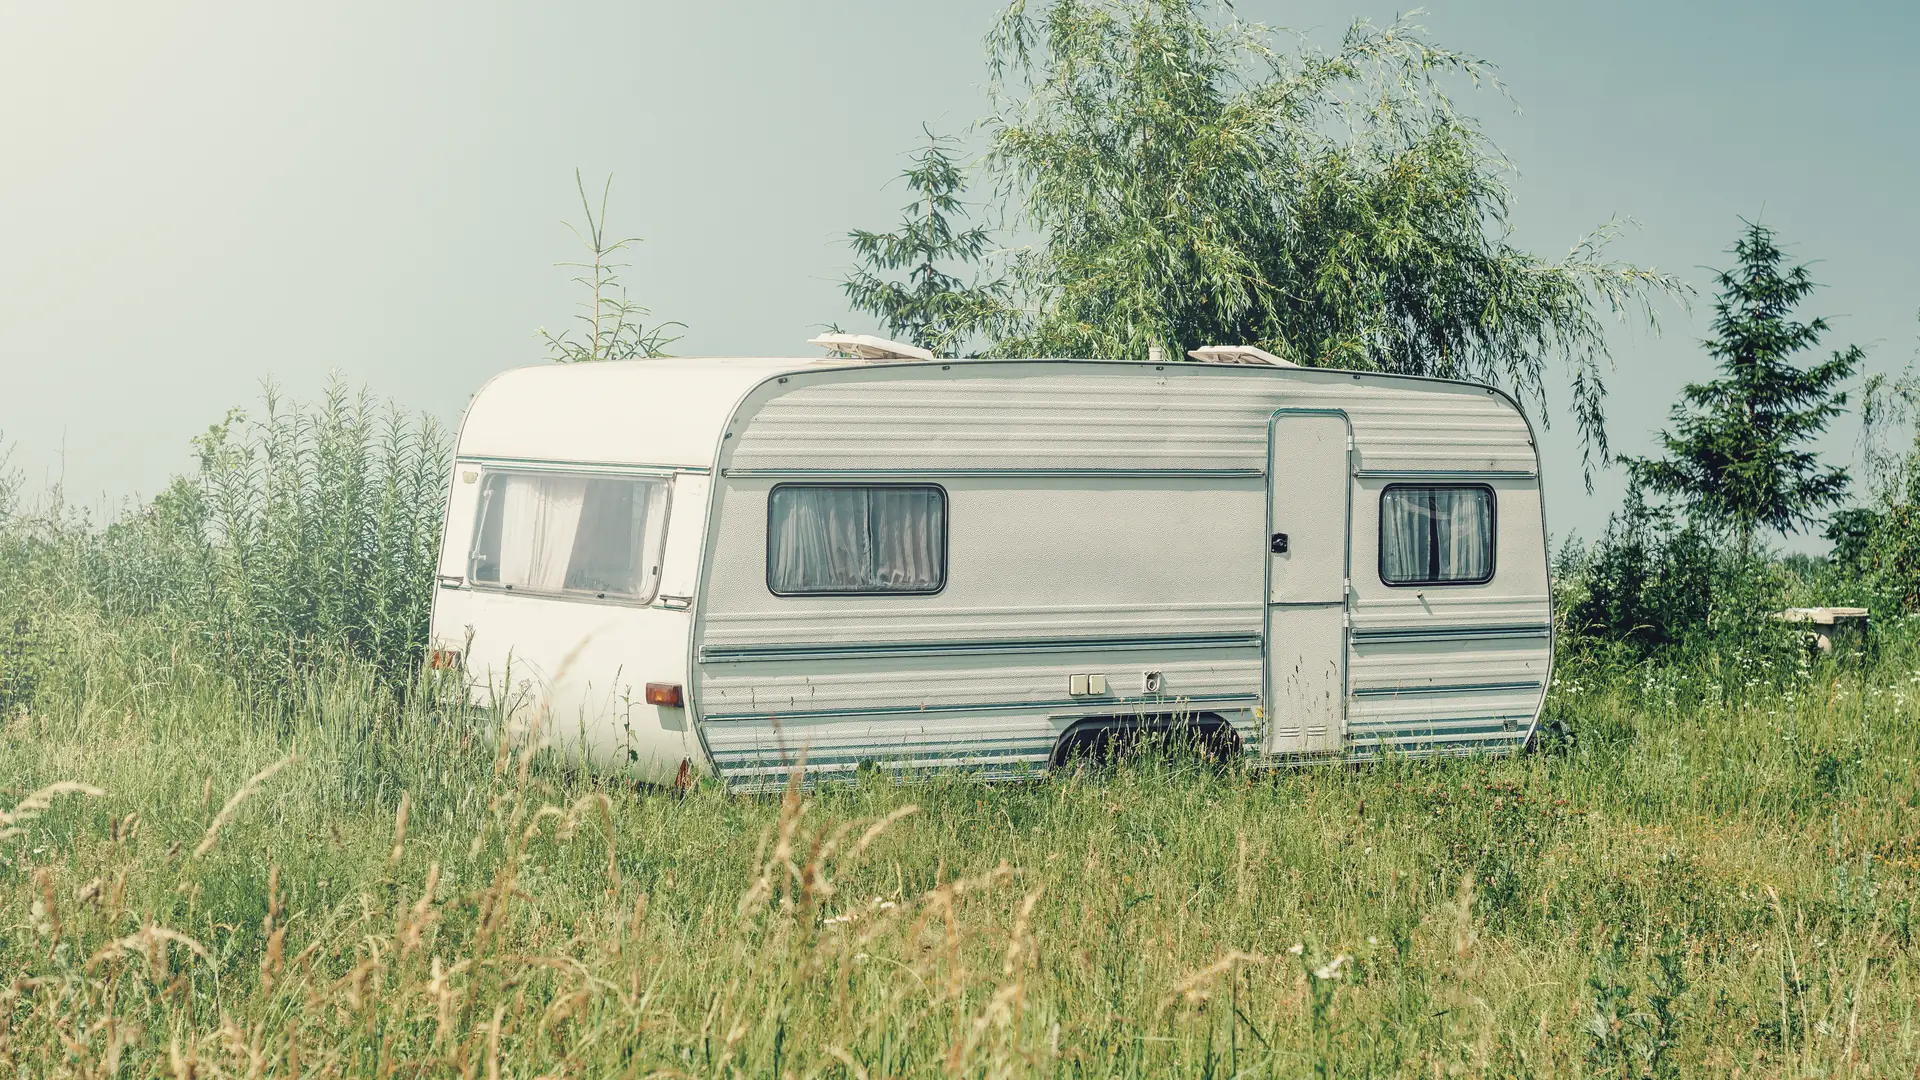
[1088,705]
[727,654]
[556,465]
[1359,735]
[1445,474]
[1368,634]
[940,471]
[1462,688]
[1439,730]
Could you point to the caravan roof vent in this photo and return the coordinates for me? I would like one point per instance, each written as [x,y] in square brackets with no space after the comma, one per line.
[1238,354]
[868,347]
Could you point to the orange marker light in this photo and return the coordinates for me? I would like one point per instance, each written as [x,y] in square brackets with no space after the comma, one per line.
[665,693]
[443,659]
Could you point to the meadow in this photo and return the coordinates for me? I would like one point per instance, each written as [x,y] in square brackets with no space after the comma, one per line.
[245,836]
[1696,878]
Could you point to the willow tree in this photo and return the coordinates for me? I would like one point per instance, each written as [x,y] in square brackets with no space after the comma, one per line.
[1190,182]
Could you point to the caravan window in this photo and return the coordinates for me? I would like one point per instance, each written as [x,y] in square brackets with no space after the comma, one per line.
[840,539]
[547,532]
[1436,534]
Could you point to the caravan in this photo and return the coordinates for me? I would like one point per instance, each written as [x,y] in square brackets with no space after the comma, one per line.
[731,566]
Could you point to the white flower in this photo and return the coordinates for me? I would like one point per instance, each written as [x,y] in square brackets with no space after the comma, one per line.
[1332,969]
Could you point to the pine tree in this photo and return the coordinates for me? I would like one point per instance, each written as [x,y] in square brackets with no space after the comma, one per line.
[1736,455]
[932,308]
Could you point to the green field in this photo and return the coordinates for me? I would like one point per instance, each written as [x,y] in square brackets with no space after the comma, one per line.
[241,840]
[1711,879]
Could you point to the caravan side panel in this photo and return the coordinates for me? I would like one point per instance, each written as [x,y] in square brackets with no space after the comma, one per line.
[1104,519]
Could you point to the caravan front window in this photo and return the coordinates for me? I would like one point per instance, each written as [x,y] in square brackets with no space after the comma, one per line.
[550,532]
[840,539]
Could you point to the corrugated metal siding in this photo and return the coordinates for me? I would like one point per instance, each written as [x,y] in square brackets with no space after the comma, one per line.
[885,621]
[992,744]
[761,755]
[906,684]
[1379,667]
[1015,417]
[1129,567]
[1028,559]
[1411,722]
[1479,608]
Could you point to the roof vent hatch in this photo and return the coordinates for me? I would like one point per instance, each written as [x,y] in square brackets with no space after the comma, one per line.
[1238,354]
[868,347]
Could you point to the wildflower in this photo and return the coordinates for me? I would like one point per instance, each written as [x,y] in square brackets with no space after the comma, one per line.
[1331,970]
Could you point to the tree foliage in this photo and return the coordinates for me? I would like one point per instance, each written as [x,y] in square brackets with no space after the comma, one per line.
[1737,452]
[1646,583]
[932,308]
[1876,546]
[613,323]
[1192,183]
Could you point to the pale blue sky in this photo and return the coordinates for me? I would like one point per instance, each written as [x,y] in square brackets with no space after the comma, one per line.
[197,196]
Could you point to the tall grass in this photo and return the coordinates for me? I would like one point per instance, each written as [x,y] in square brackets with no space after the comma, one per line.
[365,885]
[243,834]
[305,534]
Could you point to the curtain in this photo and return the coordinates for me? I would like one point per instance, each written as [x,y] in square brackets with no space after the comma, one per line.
[909,539]
[573,533]
[650,525]
[855,539]
[1463,529]
[818,537]
[1436,534]
[1406,536]
[539,516]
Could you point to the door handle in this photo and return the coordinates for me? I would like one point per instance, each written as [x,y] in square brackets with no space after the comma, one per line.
[1279,545]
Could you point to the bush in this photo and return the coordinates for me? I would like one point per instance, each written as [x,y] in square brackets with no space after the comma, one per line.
[1657,584]
[1876,554]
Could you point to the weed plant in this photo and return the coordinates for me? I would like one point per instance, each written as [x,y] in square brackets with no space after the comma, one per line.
[305,535]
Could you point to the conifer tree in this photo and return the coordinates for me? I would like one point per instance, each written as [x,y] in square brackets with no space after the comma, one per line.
[1737,454]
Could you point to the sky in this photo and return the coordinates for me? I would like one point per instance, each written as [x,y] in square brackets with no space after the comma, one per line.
[197,198]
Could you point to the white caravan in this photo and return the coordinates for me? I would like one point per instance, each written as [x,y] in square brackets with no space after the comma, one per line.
[728,566]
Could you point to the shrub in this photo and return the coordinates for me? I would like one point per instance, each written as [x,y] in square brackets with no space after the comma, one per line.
[1656,583]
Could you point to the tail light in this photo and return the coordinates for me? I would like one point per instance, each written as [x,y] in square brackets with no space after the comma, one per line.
[665,693]
[443,659]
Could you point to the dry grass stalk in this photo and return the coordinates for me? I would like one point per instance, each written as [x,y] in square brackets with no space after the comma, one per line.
[778,862]
[840,1055]
[1003,1008]
[1198,986]
[39,803]
[150,942]
[233,803]
[400,827]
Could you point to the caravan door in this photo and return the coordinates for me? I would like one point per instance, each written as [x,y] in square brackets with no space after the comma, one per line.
[1309,496]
